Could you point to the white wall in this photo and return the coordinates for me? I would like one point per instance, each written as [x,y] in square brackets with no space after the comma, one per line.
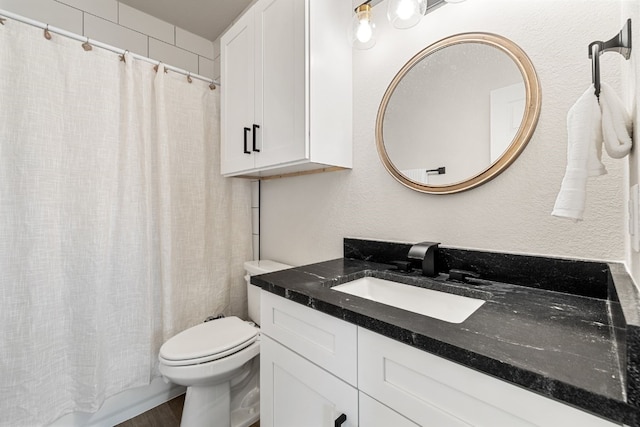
[304,219]
[119,25]
[631,94]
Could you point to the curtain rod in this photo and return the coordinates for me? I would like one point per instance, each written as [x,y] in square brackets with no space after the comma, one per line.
[65,33]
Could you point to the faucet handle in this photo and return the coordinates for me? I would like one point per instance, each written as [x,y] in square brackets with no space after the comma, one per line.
[403,266]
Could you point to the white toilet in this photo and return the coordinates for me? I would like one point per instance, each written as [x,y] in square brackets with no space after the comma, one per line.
[217,362]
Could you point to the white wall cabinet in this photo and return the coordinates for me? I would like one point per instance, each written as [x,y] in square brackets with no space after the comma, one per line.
[307,362]
[286,88]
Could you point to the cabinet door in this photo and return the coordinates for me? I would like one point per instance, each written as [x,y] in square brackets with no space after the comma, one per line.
[237,95]
[294,392]
[280,82]
[375,414]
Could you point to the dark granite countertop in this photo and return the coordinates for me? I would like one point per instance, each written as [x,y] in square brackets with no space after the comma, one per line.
[573,345]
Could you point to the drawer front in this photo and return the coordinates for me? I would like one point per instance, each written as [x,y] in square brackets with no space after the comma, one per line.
[375,414]
[328,342]
[432,391]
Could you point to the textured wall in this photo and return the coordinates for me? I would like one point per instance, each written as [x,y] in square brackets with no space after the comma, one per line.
[305,218]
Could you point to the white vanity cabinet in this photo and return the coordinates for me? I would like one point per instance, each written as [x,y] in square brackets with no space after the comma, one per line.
[286,88]
[315,367]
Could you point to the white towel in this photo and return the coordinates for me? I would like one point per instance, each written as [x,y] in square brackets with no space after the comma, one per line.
[616,123]
[589,123]
[584,128]
[418,175]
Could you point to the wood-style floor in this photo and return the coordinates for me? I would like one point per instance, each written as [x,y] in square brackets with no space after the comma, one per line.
[166,415]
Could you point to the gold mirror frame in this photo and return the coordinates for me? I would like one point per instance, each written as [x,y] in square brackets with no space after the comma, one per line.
[529,121]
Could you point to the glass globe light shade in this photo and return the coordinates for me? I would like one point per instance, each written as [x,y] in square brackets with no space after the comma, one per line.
[406,13]
[362,28]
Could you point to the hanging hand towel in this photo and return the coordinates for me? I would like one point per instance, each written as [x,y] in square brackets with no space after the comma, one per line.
[584,128]
[616,123]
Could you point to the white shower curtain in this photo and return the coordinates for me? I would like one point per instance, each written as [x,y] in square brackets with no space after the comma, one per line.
[116,229]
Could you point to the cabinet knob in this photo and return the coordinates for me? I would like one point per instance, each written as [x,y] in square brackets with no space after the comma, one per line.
[246,151]
[340,420]
[254,138]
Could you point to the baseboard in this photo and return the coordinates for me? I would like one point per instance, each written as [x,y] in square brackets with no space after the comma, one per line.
[124,406]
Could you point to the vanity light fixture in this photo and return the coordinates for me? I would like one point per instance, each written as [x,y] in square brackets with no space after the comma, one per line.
[363,28]
[401,14]
[406,13]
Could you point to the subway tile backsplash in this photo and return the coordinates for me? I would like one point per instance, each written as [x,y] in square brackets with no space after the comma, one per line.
[146,24]
[169,54]
[115,35]
[194,43]
[49,11]
[122,26]
[106,9]
[255,211]
[207,68]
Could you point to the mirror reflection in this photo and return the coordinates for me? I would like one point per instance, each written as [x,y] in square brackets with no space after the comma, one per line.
[457,112]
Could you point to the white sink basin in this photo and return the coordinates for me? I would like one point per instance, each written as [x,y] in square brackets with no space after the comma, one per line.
[440,305]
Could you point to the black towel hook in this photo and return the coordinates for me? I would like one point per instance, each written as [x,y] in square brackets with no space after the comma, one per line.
[621,43]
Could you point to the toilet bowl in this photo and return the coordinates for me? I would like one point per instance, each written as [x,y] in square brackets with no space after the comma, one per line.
[218,363]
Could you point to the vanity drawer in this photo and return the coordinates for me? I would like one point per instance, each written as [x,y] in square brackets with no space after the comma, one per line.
[375,414]
[328,342]
[432,391]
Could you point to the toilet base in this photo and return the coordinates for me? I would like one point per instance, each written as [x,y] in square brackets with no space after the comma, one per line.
[248,412]
[207,406]
[231,403]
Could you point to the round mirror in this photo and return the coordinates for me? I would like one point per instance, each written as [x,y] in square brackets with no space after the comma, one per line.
[458,113]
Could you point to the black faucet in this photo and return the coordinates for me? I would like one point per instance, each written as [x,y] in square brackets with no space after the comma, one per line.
[425,252]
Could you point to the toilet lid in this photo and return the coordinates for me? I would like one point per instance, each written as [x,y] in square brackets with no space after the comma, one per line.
[208,341]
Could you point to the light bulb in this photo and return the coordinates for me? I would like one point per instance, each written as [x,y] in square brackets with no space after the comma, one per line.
[405,9]
[406,13]
[364,31]
[363,28]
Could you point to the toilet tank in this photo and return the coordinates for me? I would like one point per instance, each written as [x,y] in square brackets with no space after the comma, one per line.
[254,268]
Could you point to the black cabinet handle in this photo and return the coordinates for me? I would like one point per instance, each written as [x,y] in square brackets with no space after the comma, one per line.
[340,420]
[246,151]
[254,138]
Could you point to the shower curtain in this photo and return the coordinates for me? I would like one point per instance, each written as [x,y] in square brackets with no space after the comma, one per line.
[116,229]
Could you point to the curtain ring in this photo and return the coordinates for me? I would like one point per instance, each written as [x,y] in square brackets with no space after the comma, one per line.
[86,45]
[47,34]
[122,57]
[212,86]
[156,67]
[189,79]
